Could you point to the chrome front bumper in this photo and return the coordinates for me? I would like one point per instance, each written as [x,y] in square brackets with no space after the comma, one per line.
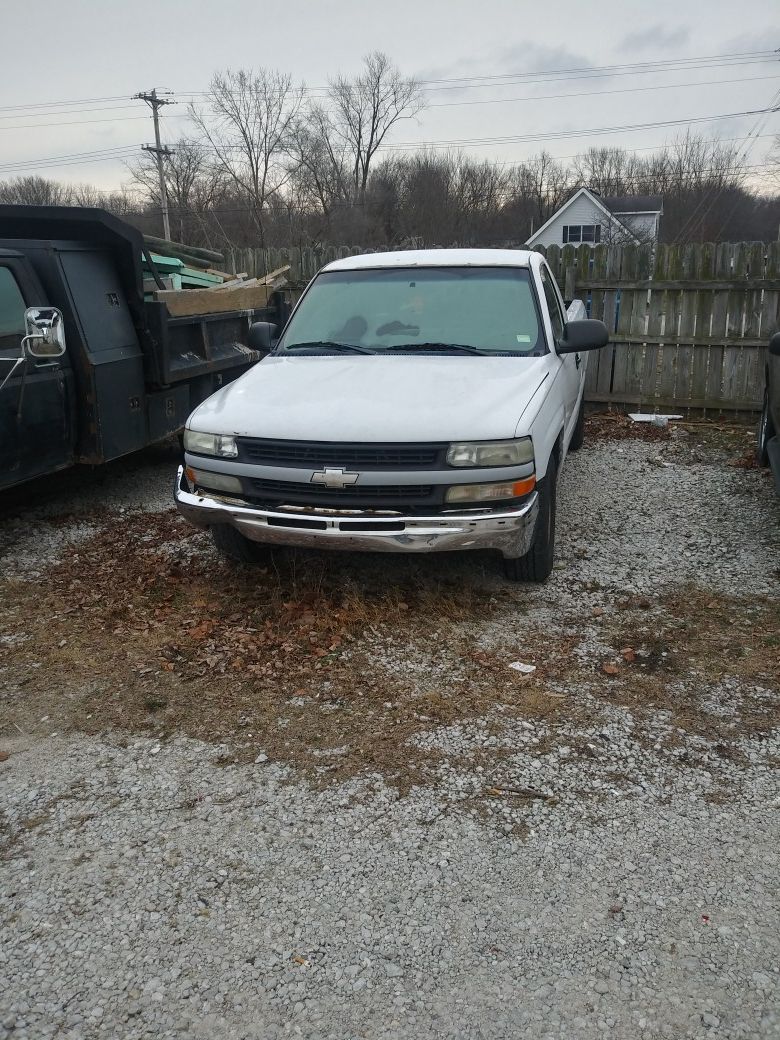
[510,532]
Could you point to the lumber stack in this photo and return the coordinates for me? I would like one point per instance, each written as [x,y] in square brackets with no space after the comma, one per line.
[195,284]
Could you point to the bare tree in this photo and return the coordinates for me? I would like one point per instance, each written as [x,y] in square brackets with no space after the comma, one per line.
[247,124]
[319,161]
[364,110]
[33,190]
[192,181]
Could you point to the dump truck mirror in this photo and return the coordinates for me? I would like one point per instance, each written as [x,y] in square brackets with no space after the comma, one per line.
[45,333]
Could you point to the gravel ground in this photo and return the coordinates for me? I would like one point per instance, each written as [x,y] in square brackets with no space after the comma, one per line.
[587,850]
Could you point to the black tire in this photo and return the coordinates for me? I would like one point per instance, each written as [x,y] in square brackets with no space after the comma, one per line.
[578,437]
[537,564]
[232,544]
[766,432]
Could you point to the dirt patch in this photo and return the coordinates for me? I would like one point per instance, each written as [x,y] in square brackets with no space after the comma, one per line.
[614,426]
[698,441]
[693,642]
[144,628]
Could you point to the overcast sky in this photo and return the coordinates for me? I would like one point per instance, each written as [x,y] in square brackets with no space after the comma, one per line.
[56,51]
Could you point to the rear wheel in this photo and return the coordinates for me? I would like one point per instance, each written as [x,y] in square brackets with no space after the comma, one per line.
[232,544]
[578,436]
[766,432]
[537,563]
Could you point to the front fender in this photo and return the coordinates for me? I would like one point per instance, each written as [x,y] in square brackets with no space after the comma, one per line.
[543,420]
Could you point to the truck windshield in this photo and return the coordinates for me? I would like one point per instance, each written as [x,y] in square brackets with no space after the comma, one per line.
[476,310]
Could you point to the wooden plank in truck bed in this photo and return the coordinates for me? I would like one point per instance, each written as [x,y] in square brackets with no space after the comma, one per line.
[186,302]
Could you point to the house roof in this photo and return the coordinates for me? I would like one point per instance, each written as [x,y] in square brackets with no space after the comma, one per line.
[633,203]
[595,199]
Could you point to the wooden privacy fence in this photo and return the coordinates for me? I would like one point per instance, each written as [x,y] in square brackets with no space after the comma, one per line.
[689,325]
[304,261]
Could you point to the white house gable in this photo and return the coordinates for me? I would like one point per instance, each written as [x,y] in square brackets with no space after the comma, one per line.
[586,219]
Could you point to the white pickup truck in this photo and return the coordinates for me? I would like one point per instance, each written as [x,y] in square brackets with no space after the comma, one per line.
[415,402]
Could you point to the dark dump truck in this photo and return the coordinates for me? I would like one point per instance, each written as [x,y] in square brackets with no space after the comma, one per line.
[89,369]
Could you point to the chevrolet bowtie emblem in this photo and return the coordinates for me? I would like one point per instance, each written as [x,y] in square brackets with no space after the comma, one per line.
[334,478]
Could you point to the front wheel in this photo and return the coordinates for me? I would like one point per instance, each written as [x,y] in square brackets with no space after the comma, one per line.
[765,432]
[238,549]
[537,564]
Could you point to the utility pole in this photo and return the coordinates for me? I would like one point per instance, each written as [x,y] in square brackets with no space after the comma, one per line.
[159,150]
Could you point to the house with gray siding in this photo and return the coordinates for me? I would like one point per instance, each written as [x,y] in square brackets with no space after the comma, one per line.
[592,218]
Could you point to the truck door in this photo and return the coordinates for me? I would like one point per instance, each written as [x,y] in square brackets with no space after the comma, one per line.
[36,398]
[572,365]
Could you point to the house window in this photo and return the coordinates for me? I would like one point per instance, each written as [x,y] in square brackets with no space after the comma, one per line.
[581,233]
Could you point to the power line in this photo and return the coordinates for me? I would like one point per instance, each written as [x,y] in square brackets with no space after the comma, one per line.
[478,82]
[754,132]
[611,69]
[73,158]
[643,148]
[73,122]
[67,112]
[73,101]
[522,79]
[438,104]
[444,104]
[404,146]
[596,93]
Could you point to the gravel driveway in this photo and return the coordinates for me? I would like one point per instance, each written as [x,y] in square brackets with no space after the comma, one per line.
[317,800]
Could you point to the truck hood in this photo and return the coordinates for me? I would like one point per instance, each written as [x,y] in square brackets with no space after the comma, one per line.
[399,398]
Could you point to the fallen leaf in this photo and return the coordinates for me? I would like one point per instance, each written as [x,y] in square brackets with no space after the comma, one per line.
[628,654]
[202,630]
[610,669]
[4,756]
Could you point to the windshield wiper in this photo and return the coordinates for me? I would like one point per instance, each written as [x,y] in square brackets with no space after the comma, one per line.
[326,346]
[423,348]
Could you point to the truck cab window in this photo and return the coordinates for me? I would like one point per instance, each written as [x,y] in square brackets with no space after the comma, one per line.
[553,304]
[12,308]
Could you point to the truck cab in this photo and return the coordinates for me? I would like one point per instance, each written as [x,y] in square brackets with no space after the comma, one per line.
[120,373]
[48,442]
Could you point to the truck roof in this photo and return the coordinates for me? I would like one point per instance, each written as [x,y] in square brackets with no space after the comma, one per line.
[434,258]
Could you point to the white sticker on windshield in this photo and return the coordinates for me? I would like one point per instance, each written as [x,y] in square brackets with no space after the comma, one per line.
[523,339]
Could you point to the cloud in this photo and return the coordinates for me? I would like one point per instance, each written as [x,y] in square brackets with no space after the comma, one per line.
[656,38]
[505,61]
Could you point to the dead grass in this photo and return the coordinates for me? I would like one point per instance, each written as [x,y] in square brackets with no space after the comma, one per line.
[694,641]
[615,426]
[139,631]
[143,629]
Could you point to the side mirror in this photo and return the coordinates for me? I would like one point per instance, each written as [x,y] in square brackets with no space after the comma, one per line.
[261,336]
[585,334]
[774,345]
[45,333]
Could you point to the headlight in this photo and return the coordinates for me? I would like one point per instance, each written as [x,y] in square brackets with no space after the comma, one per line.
[490,492]
[210,444]
[491,453]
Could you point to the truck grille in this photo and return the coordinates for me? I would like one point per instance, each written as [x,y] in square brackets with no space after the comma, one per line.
[317,454]
[399,497]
